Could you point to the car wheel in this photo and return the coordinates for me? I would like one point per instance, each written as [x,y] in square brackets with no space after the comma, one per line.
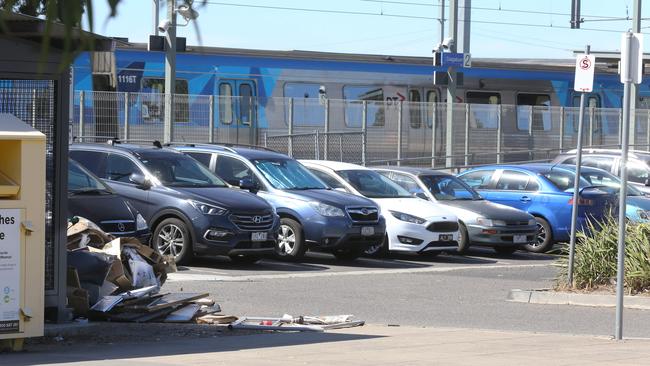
[244,259]
[544,238]
[348,254]
[505,250]
[463,239]
[172,238]
[378,250]
[290,244]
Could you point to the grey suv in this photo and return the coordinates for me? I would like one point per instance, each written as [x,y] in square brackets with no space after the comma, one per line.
[189,209]
[312,215]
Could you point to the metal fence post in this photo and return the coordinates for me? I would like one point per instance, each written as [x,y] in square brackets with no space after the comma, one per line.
[399,132]
[266,137]
[647,132]
[561,129]
[499,134]
[591,127]
[467,134]
[34,108]
[126,115]
[211,119]
[531,146]
[290,142]
[317,144]
[434,122]
[364,130]
[327,129]
[340,147]
[81,115]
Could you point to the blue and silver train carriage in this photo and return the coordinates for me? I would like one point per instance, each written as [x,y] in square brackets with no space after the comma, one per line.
[251,94]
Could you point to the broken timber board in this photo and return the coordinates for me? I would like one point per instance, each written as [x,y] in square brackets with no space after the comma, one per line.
[175,299]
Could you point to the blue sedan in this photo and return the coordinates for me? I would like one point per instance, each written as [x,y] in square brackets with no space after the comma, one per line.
[546,192]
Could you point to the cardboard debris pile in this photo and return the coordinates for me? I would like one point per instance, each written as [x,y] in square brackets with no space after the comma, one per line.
[297,324]
[119,279]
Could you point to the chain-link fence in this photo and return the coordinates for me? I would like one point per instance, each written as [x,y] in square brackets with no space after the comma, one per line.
[33,102]
[369,132]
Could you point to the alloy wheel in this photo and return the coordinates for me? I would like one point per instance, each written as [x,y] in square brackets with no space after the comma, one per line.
[541,236]
[170,240]
[286,240]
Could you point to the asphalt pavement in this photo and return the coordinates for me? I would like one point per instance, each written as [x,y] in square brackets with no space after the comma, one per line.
[445,291]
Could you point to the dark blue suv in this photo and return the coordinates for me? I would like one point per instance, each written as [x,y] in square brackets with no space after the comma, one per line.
[312,214]
[189,209]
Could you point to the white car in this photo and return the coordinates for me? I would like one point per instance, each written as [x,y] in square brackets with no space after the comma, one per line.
[412,224]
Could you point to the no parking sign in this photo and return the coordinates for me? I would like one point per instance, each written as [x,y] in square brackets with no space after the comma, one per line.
[584,79]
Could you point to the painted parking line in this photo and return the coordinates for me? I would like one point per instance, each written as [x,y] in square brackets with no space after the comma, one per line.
[179,277]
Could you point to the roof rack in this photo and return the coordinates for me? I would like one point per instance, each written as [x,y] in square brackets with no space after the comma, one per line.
[219,145]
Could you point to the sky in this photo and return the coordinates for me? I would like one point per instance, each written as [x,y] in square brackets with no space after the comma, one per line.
[536,29]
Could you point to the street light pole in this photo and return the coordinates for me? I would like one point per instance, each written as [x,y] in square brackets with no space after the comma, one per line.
[156,16]
[170,71]
[451,87]
[634,88]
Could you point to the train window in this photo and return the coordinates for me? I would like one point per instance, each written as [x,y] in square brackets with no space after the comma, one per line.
[245,103]
[225,103]
[432,98]
[307,109]
[415,115]
[157,86]
[541,112]
[354,95]
[484,110]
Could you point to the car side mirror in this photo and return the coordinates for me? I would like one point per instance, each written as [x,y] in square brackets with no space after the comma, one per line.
[647,182]
[421,195]
[140,180]
[249,184]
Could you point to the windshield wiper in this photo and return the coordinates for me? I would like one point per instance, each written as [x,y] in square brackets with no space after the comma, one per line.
[98,191]
[304,188]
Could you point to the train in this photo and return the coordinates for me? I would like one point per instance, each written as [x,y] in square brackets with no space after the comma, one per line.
[529,103]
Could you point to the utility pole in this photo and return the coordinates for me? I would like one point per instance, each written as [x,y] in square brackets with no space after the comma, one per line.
[451,87]
[170,71]
[442,24]
[466,20]
[634,88]
[156,16]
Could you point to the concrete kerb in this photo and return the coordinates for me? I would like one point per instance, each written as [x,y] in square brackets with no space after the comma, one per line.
[551,297]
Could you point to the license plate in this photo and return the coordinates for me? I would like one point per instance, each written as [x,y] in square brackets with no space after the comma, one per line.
[258,237]
[519,239]
[368,230]
[445,237]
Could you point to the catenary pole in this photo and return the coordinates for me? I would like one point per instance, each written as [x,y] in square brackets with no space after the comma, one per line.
[451,87]
[634,88]
[170,71]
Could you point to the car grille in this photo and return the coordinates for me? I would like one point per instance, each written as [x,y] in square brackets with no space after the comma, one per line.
[443,226]
[252,222]
[363,214]
[517,223]
[118,227]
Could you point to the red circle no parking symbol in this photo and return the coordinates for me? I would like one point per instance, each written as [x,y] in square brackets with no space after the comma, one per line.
[585,63]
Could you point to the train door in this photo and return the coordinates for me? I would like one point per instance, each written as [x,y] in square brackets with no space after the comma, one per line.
[593,124]
[237,110]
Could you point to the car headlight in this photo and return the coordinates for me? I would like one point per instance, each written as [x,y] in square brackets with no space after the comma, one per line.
[327,210]
[207,209]
[489,222]
[643,214]
[140,223]
[408,218]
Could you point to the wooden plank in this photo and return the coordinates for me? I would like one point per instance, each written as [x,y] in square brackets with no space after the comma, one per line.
[175,299]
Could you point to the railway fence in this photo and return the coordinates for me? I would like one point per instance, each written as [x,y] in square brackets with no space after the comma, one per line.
[366,132]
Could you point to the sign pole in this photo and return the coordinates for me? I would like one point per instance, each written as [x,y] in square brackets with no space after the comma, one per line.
[631,65]
[584,65]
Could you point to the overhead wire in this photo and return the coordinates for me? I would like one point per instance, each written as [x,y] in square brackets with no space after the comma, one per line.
[383,14]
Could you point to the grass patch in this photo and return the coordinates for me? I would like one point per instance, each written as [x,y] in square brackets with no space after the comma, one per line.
[596,255]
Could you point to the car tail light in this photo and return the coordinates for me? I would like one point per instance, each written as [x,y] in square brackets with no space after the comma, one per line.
[583,202]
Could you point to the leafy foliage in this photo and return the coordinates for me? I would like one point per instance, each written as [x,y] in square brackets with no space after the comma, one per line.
[596,255]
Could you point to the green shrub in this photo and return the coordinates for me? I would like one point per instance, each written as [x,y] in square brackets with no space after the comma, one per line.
[596,255]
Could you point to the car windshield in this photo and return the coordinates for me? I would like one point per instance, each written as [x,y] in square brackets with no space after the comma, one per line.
[81,181]
[178,170]
[373,185]
[608,180]
[288,174]
[449,188]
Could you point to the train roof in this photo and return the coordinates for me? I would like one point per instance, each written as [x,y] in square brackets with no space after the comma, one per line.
[510,63]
